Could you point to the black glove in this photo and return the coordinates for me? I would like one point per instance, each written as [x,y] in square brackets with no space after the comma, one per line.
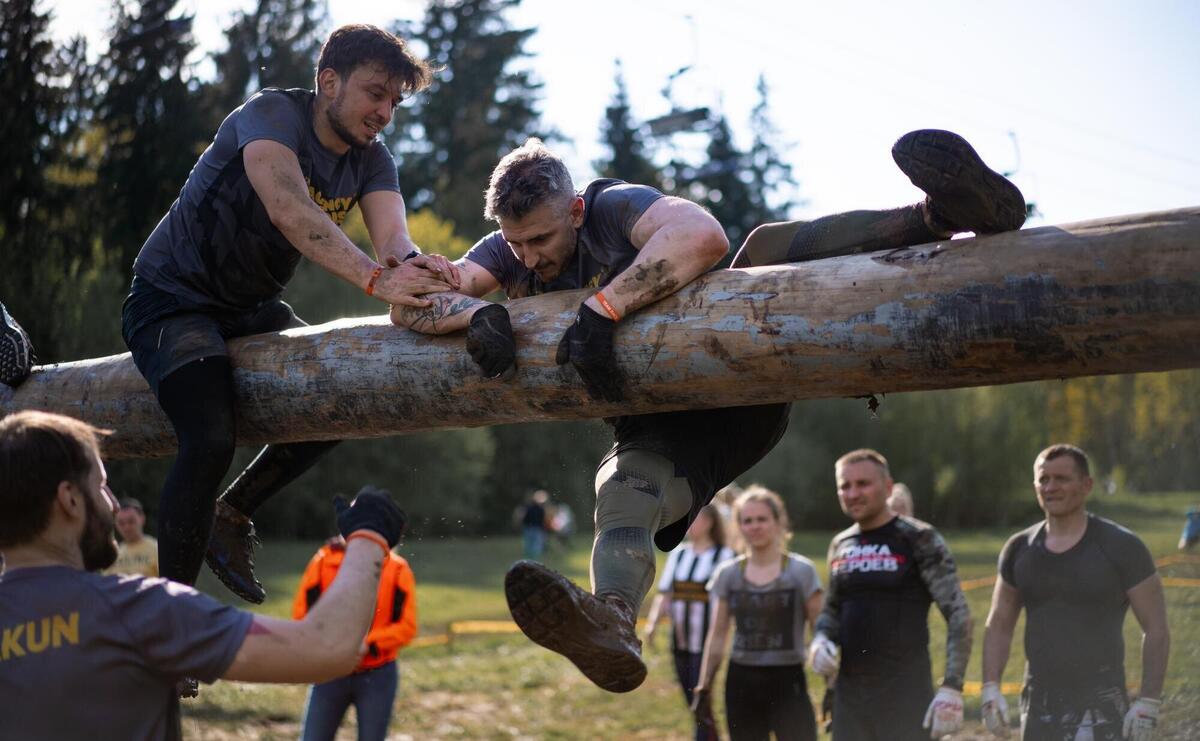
[373,509]
[588,344]
[491,343]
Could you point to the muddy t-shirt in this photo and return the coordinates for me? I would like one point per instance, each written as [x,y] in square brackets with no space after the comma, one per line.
[711,447]
[216,249]
[1075,602]
[769,618]
[85,656]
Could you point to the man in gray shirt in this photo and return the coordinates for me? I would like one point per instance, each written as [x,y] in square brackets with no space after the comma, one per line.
[281,174]
[84,655]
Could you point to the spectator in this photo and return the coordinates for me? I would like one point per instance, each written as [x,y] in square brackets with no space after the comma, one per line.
[1075,575]
[683,596]
[87,655]
[533,524]
[371,688]
[884,572]
[1191,530]
[137,552]
[771,594]
[901,500]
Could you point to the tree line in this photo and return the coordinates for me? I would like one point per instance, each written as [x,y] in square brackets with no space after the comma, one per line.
[96,151]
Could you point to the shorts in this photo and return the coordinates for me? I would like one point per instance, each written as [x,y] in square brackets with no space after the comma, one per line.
[1096,714]
[164,335]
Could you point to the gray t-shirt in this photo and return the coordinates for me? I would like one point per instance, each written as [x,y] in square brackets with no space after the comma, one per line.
[89,656]
[711,446]
[216,249]
[768,619]
[605,247]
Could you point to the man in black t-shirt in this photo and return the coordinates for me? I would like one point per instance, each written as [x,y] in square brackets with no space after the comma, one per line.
[633,245]
[282,172]
[1075,575]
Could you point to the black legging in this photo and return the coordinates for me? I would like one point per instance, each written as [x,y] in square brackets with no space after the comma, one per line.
[761,699]
[198,398]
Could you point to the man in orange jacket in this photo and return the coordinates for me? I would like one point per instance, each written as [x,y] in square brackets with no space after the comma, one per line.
[372,686]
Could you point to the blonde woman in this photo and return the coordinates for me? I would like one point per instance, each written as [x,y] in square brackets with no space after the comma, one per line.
[768,595]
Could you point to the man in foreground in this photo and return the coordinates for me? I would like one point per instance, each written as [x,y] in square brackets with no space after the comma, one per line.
[872,637]
[282,172]
[84,654]
[1075,575]
[634,245]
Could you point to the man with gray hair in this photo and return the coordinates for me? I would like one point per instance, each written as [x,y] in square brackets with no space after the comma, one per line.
[633,245]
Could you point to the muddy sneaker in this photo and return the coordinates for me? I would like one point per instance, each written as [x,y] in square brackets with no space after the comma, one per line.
[231,553]
[597,635]
[16,351]
[963,195]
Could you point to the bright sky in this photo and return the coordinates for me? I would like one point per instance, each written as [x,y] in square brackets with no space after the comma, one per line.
[1096,105]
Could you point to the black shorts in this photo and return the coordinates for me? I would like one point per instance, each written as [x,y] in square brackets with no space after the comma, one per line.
[164,336]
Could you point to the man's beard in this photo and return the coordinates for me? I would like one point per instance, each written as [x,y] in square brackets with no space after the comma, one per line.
[97,544]
[334,115]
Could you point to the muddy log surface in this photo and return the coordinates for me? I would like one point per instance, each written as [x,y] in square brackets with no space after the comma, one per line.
[1116,295]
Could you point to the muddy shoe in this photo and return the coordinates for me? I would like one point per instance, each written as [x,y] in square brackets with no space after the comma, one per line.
[16,351]
[963,194]
[597,635]
[231,553]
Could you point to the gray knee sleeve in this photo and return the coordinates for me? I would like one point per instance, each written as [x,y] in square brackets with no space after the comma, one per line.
[636,494]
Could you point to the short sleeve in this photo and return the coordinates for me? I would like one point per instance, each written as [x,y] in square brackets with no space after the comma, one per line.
[668,575]
[613,214]
[809,579]
[1131,558]
[380,171]
[270,115]
[180,632]
[1008,558]
[493,254]
[721,583]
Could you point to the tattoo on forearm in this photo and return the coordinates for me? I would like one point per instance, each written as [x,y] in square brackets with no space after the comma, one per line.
[445,305]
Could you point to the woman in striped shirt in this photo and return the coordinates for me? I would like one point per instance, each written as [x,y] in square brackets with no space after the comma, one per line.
[683,596]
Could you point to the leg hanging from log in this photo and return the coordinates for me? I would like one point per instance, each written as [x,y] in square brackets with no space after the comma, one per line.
[637,492]
[198,398]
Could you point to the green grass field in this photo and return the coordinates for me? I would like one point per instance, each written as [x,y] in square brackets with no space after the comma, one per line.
[503,687]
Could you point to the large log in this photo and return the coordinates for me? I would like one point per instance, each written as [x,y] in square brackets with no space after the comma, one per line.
[1115,295]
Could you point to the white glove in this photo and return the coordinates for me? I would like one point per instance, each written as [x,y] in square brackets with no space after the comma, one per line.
[995,709]
[823,656]
[945,713]
[1142,719]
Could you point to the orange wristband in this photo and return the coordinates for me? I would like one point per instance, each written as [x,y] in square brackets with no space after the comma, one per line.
[612,313]
[378,271]
[372,536]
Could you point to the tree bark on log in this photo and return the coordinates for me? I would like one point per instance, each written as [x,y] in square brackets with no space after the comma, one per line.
[1115,295]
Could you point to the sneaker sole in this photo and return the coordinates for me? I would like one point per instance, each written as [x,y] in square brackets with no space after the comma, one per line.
[16,354]
[968,192]
[545,608]
[236,587]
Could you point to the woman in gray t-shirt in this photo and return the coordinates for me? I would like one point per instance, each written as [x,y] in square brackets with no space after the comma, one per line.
[770,594]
